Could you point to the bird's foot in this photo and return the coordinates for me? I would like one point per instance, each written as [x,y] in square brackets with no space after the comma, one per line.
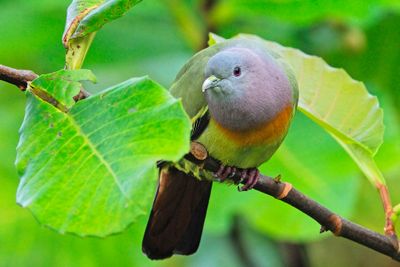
[225,172]
[251,176]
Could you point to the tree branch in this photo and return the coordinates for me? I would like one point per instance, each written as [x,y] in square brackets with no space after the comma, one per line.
[328,220]
[19,78]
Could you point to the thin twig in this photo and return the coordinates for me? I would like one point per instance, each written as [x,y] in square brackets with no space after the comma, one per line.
[328,220]
[20,78]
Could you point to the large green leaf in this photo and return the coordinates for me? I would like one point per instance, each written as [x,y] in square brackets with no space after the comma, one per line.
[341,105]
[91,170]
[377,66]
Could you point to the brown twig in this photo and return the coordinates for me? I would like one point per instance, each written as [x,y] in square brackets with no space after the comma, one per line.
[20,78]
[328,220]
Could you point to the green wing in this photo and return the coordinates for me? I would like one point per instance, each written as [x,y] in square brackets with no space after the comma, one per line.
[189,80]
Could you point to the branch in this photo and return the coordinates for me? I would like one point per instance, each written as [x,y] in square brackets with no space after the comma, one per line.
[328,220]
[19,78]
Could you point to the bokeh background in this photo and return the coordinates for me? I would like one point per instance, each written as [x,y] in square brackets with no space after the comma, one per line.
[242,229]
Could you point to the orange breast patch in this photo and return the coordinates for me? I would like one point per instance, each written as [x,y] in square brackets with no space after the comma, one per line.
[265,133]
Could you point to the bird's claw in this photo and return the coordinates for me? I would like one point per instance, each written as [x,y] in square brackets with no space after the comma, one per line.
[252,175]
[225,172]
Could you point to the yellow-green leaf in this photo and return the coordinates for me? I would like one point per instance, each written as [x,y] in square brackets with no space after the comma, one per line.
[341,105]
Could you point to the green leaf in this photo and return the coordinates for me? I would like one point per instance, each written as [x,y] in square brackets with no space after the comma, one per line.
[378,66]
[92,171]
[61,86]
[339,104]
[84,19]
[88,16]
[76,12]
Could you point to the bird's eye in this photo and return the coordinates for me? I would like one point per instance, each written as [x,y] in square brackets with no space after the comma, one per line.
[237,71]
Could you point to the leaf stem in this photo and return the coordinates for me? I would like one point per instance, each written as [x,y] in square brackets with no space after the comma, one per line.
[387,207]
[77,50]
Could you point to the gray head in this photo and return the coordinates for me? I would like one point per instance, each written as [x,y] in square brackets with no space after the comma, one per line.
[245,88]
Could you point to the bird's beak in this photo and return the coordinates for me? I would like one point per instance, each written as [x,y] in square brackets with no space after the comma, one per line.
[210,82]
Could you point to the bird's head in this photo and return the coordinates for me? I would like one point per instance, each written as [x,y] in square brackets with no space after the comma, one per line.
[245,87]
[228,73]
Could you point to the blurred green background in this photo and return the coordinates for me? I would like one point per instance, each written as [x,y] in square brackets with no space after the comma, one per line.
[247,229]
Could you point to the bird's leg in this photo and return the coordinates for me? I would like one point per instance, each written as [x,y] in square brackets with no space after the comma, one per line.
[225,172]
[252,178]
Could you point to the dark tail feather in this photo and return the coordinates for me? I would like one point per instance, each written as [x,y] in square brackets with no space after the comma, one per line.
[177,217]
